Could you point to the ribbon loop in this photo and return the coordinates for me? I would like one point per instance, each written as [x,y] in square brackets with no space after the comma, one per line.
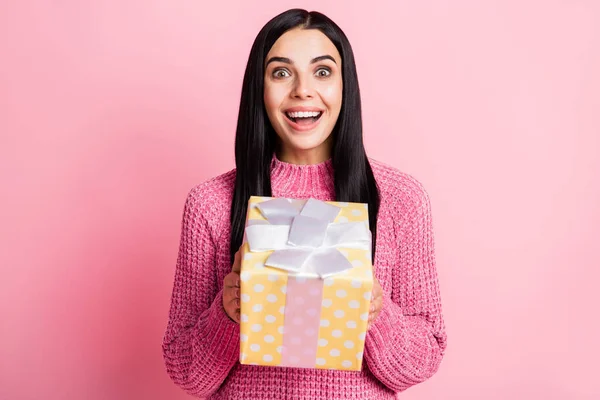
[305,238]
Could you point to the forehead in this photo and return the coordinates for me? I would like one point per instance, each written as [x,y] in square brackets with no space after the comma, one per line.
[302,45]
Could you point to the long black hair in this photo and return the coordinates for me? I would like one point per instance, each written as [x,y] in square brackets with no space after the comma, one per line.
[255,138]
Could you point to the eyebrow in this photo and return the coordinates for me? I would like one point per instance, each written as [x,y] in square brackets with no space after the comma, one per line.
[286,60]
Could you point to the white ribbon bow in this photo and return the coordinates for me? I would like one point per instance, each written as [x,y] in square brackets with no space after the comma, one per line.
[304,237]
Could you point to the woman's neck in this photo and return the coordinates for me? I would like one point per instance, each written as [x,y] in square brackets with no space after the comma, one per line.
[305,157]
[302,180]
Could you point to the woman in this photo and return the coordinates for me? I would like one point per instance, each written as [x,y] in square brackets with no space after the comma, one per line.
[299,135]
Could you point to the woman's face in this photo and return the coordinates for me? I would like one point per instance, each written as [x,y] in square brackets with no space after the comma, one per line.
[303,93]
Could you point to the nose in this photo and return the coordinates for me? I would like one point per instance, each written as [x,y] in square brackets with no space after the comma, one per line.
[303,88]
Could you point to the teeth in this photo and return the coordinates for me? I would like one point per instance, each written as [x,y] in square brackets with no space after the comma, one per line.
[303,114]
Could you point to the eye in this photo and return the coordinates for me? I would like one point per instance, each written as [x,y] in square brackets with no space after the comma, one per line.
[323,72]
[281,73]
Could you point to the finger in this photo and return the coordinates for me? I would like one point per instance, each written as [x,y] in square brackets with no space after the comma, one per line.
[372,320]
[227,306]
[375,308]
[230,294]
[231,280]
[378,302]
[375,303]
[376,297]
[376,313]
[227,297]
[232,306]
[237,262]
[228,281]
[373,315]
[377,290]
[233,292]
[235,302]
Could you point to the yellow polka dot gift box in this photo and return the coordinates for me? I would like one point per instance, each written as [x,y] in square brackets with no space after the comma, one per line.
[306,281]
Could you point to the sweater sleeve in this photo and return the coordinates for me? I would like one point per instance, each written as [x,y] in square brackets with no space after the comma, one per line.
[201,343]
[406,343]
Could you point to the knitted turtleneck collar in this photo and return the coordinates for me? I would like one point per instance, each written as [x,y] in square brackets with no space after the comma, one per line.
[302,181]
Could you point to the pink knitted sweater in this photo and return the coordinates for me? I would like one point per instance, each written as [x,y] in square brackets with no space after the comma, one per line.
[404,345]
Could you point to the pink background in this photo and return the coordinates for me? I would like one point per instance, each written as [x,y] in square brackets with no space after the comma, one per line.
[110,111]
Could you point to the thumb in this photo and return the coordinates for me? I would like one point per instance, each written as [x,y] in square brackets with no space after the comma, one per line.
[237,262]
[376,291]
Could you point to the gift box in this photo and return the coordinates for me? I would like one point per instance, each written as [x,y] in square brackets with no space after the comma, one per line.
[306,281]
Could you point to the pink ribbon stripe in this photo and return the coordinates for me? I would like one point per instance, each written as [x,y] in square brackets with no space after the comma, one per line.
[302,322]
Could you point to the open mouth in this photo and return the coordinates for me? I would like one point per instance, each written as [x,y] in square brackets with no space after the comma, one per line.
[304,117]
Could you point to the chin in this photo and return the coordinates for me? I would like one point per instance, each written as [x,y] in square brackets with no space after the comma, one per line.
[306,143]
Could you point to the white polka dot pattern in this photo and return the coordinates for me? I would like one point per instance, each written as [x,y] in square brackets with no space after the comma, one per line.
[345,302]
[258,288]
[262,308]
[245,276]
[271,298]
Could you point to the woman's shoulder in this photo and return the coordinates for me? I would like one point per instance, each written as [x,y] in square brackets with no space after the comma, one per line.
[211,199]
[397,187]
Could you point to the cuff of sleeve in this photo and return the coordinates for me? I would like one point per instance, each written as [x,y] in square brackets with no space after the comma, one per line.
[387,322]
[223,332]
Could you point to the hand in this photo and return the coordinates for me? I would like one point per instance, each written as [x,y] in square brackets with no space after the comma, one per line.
[231,290]
[376,302]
